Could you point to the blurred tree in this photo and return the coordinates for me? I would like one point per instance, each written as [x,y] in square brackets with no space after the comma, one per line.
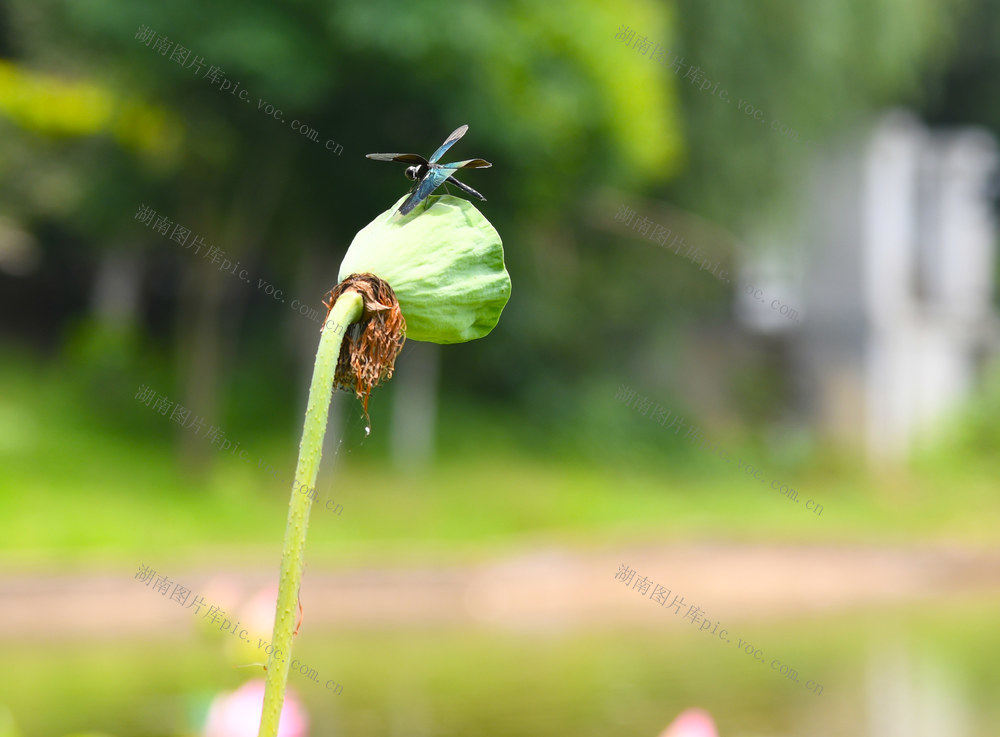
[813,68]
[963,90]
[541,103]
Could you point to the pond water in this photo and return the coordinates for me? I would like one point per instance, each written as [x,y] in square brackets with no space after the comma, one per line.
[928,669]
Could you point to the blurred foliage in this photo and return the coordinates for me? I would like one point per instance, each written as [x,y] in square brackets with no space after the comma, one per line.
[527,79]
[964,91]
[972,435]
[46,105]
[103,465]
[816,67]
[565,111]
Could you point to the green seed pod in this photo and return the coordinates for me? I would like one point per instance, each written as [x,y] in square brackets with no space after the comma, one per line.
[444,261]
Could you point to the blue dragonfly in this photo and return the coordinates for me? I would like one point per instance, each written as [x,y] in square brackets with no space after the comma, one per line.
[429,175]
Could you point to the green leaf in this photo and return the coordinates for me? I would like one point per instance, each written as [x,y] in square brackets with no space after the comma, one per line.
[444,261]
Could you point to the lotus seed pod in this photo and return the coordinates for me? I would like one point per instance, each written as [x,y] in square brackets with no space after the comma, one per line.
[444,261]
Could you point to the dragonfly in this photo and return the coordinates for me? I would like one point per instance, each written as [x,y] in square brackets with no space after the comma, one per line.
[429,175]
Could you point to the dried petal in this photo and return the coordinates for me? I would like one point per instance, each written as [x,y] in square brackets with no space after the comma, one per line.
[368,353]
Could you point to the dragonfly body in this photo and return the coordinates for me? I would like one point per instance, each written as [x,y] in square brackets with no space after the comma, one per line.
[429,175]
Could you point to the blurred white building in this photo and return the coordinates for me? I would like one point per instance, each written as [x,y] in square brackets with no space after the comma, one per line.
[893,282]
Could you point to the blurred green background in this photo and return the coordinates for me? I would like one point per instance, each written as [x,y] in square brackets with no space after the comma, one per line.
[491,459]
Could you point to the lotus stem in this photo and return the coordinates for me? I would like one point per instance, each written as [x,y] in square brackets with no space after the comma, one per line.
[346,310]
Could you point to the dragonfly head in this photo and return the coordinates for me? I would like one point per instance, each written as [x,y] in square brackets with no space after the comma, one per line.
[412,172]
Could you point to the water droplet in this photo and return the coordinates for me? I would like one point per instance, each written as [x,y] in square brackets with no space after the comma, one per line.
[368,431]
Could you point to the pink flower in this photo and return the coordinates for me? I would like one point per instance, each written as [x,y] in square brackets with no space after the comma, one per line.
[258,612]
[237,714]
[692,723]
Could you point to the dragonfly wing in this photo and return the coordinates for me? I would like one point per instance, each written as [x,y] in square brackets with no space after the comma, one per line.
[407,158]
[467,164]
[449,142]
[431,181]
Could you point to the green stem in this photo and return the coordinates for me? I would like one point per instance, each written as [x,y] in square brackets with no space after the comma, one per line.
[346,309]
